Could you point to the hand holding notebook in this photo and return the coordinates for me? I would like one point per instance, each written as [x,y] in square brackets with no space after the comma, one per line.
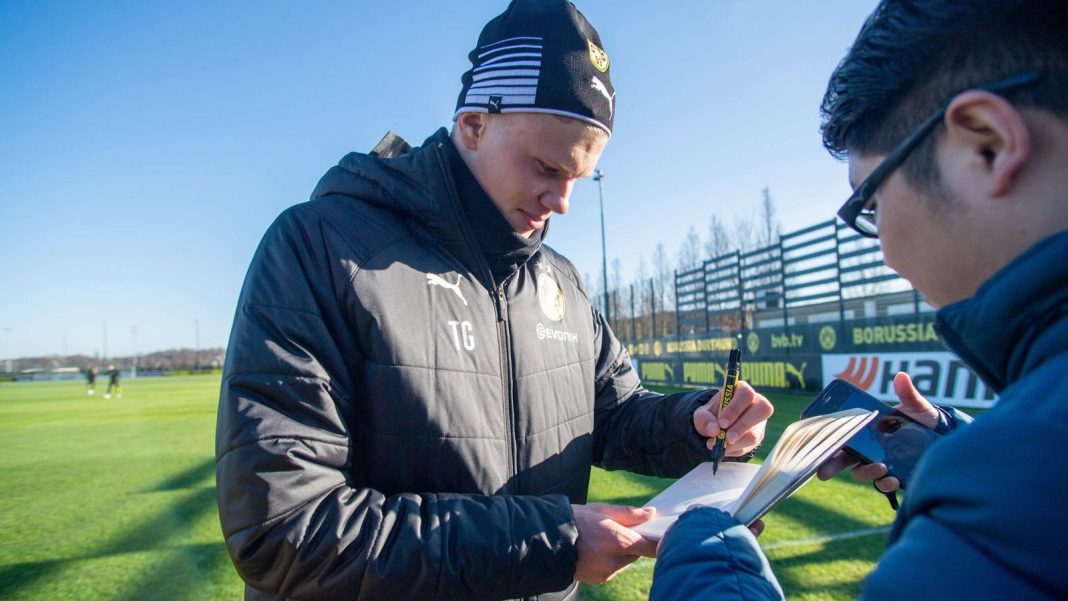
[748,491]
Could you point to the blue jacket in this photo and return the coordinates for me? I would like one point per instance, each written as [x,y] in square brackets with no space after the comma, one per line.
[986,515]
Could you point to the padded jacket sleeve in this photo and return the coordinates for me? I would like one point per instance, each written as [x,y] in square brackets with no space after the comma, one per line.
[294,523]
[707,554]
[637,430]
[995,519]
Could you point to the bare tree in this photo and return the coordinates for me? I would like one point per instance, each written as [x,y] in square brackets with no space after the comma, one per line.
[664,278]
[690,251]
[770,230]
[641,275]
[718,242]
[641,299]
[744,234]
[615,278]
[591,285]
[615,284]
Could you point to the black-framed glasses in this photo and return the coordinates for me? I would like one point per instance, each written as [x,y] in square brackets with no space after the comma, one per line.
[857,212]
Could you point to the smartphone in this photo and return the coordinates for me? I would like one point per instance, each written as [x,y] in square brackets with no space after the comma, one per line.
[893,438]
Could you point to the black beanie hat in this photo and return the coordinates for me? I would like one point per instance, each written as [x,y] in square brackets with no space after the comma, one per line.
[540,56]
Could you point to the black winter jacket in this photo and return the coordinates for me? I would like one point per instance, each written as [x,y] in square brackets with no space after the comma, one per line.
[393,426]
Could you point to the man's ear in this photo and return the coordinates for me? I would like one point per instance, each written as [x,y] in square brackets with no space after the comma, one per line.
[993,131]
[471,128]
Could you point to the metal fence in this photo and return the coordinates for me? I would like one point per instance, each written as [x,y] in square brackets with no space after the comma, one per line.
[819,274]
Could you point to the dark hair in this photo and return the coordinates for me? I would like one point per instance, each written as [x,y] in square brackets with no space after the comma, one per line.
[911,55]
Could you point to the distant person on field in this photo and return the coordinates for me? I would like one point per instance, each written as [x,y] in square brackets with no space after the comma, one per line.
[113,383]
[954,117]
[417,387]
[90,379]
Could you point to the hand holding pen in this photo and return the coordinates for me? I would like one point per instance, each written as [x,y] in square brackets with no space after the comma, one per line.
[742,420]
[730,381]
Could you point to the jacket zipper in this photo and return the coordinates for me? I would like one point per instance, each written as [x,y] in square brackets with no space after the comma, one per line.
[506,388]
[503,341]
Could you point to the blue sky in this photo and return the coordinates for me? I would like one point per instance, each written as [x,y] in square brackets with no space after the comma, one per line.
[145,147]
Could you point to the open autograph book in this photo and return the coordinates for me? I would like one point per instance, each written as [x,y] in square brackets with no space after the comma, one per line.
[748,491]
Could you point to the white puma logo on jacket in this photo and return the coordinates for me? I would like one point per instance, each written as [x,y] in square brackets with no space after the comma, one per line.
[433,279]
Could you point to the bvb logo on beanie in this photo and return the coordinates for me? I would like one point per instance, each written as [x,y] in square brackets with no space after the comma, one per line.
[598,57]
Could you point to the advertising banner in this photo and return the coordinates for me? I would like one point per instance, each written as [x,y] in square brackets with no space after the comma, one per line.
[939,376]
[885,335]
[799,372]
[867,352]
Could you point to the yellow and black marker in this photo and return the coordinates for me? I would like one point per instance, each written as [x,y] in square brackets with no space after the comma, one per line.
[734,369]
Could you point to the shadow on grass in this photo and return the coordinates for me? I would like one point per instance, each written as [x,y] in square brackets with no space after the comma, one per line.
[186,568]
[18,575]
[189,478]
[179,518]
[794,569]
[151,534]
[794,572]
[819,516]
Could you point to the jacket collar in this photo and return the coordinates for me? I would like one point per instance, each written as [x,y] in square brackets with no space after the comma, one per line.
[504,249]
[1017,319]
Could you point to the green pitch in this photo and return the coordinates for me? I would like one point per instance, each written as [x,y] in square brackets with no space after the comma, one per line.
[115,499]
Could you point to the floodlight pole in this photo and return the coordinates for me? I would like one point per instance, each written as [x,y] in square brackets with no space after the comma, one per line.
[598,176]
[196,351]
[7,348]
[133,330]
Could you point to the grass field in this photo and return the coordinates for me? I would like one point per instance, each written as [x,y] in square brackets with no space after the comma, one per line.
[115,499]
